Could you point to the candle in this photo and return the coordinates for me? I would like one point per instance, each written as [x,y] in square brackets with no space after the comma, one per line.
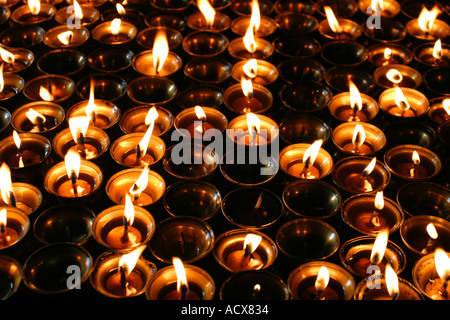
[358,138]
[382,8]
[260,71]
[33,13]
[382,54]
[433,54]
[40,117]
[393,75]
[334,28]
[64,37]
[14,225]
[198,121]
[115,32]
[138,120]
[51,88]
[186,282]
[426,26]
[207,18]
[439,109]
[76,14]
[8,236]
[247,97]
[368,213]
[320,281]
[403,102]
[16,59]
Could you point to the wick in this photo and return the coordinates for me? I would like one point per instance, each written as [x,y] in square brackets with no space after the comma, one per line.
[73,178]
[94,116]
[444,288]
[305,168]
[375,221]
[125,238]
[258,202]
[12,198]
[319,295]
[123,277]
[80,145]
[183,291]
[181,241]
[247,252]
[396,296]
[40,124]
[138,154]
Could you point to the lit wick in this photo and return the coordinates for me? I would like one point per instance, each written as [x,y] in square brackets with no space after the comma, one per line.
[379,205]
[6,187]
[416,162]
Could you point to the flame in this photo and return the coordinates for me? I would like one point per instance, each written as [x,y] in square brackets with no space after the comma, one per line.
[323,277]
[65,37]
[400,99]
[253,123]
[160,50]
[91,107]
[35,6]
[249,40]
[140,184]
[143,144]
[207,10]
[446,105]
[427,17]
[247,87]
[72,161]
[78,127]
[332,21]
[442,263]
[255,19]
[151,117]
[16,139]
[437,49]
[120,9]
[416,158]
[200,113]
[387,53]
[115,26]
[2,81]
[377,5]
[45,94]
[6,184]
[394,76]
[250,68]
[257,288]
[379,200]
[34,117]
[180,272]
[126,265]
[7,56]
[392,282]
[368,170]
[432,232]
[379,246]
[251,241]
[128,213]
[311,153]
[78,12]
[359,136]
[355,96]
[3,218]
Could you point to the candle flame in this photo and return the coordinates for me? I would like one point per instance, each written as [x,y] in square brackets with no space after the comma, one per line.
[446,105]
[323,277]
[394,76]
[437,49]
[3,217]
[180,272]
[253,123]
[78,12]
[200,113]
[140,184]
[65,37]
[128,212]
[387,54]
[415,158]
[151,117]
[427,17]
[255,19]
[160,50]
[400,99]
[249,40]
[355,96]
[332,21]
[247,87]
[17,140]
[35,6]
[34,117]
[377,5]
[2,81]
[379,246]
[359,136]
[311,153]
[379,200]
[120,9]
[91,107]
[129,260]
[252,241]
[368,170]
[115,26]
[432,232]
[72,160]
[45,94]
[6,183]
[7,56]
[392,282]
[442,263]
[207,10]
[257,288]
[250,68]
[78,127]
